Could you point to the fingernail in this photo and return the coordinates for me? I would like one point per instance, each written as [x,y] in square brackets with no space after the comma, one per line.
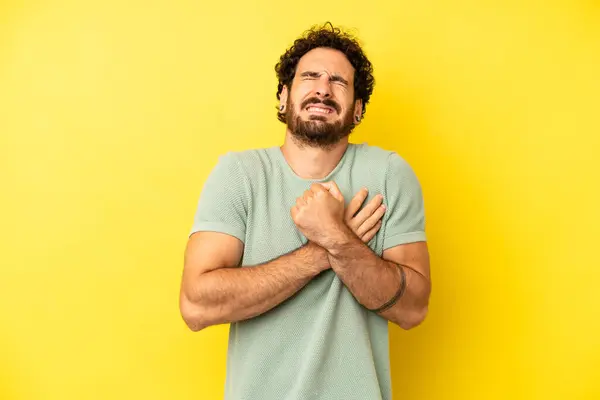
[383,206]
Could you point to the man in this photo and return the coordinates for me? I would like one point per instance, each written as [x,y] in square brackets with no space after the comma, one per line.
[307,281]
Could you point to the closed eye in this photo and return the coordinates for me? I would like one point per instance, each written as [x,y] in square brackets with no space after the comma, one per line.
[332,78]
[310,74]
[338,79]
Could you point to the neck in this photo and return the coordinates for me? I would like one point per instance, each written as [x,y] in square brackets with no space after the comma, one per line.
[312,162]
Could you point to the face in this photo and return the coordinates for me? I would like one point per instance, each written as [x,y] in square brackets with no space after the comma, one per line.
[320,107]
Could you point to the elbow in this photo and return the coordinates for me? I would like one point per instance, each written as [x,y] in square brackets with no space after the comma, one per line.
[193,315]
[194,325]
[414,318]
[416,314]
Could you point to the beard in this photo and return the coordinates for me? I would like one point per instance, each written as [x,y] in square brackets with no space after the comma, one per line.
[316,131]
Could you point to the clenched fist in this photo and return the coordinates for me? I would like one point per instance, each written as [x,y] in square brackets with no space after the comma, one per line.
[319,213]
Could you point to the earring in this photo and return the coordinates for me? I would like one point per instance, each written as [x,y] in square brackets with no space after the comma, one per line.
[357,118]
[281,107]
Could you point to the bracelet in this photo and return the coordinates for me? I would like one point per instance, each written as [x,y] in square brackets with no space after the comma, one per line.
[398,294]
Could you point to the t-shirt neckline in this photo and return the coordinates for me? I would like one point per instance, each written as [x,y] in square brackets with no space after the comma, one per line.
[290,171]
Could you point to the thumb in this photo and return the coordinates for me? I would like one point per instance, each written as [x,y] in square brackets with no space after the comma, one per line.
[334,190]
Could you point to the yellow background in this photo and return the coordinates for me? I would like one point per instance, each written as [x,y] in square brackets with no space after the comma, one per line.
[112,113]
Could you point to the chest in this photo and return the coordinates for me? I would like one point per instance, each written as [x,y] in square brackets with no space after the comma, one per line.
[270,229]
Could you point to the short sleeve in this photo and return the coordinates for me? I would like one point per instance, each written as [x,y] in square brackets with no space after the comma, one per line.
[405,212]
[223,205]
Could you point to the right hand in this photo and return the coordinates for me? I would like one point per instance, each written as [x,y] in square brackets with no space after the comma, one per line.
[367,222]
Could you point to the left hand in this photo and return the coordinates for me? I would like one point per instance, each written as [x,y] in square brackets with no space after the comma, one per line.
[319,213]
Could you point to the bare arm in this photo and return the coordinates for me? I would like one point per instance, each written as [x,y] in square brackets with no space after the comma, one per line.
[215,290]
[375,281]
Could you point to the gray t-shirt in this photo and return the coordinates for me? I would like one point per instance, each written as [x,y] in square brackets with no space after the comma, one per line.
[320,343]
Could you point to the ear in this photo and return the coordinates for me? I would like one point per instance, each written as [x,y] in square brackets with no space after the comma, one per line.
[358,108]
[283,96]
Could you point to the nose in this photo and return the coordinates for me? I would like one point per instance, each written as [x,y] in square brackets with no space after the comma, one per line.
[323,89]
[324,93]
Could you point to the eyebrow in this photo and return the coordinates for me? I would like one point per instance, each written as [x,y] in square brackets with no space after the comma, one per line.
[332,78]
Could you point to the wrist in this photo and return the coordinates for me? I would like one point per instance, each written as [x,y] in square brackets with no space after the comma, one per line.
[317,257]
[339,240]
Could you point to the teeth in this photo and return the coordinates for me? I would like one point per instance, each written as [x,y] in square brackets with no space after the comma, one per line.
[319,109]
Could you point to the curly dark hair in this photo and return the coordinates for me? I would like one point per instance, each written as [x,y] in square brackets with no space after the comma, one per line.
[334,38]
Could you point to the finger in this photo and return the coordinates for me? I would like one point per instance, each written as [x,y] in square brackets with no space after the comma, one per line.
[308,194]
[371,233]
[300,202]
[356,202]
[332,187]
[317,190]
[368,210]
[317,187]
[372,220]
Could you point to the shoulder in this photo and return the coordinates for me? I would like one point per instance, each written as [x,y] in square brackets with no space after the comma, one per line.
[244,159]
[388,160]
[248,166]
[253,161]
[253,157]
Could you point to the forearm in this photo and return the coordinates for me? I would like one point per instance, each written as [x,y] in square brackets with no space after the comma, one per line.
[228,295]
[374,282]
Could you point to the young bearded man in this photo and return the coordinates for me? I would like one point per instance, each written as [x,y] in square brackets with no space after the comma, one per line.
[307,280]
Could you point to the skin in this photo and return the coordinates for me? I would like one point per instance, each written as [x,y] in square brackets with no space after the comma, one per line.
[213,291]
[314,162]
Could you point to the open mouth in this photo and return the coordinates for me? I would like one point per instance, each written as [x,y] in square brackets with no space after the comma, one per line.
[319,109]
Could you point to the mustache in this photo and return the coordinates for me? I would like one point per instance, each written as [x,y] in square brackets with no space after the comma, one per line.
[327,102]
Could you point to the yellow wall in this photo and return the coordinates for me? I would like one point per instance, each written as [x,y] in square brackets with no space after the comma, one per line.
[112,113]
